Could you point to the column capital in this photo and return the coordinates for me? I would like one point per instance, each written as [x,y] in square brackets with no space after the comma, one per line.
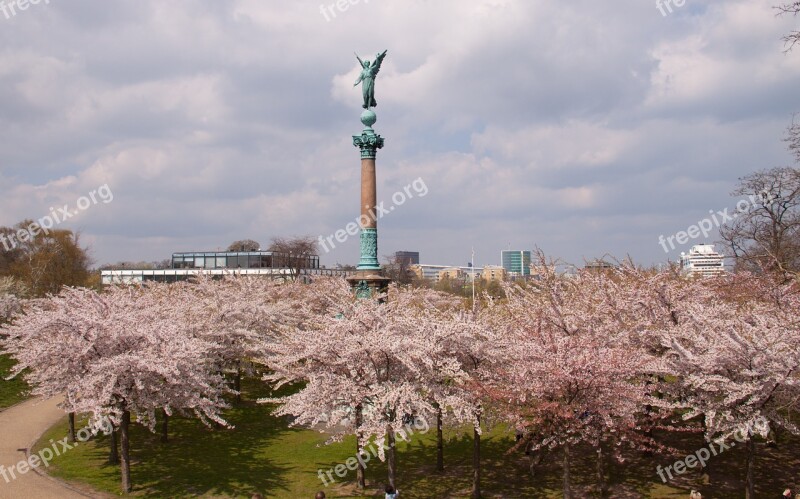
[369,142]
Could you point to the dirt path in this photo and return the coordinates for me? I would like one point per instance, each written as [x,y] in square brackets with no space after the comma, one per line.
[20,426]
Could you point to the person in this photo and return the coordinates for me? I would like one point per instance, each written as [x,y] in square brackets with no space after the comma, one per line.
[320,495]
[391,493]
[787,494]
[695,495]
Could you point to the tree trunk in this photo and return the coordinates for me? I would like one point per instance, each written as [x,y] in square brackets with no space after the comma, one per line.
[750,492]
[439,441]
[535,459]
[567,478]
[113,455]
[237,383]
[360,480]
[476,462]
[705,475]
[773,439]
[165,427]
[125,461]
[71,434]
[601,477]
[390,459]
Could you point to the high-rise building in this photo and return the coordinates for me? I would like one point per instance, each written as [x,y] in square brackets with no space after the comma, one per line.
[407,257]
[516,263]
[702,260]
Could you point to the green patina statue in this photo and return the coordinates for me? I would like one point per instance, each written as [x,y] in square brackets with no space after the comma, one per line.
[367,78]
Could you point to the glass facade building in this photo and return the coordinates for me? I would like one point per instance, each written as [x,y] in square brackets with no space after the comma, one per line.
[242,260]
[516,263]
[224,263]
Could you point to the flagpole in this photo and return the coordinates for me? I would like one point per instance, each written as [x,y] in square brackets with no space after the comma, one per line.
[473,279]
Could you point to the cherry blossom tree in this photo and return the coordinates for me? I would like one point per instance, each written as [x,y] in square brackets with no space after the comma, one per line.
[734,343]
[365,365]
[237,315]
[573,371]
[457,359]
[466,342]
[116,354]
[10,301]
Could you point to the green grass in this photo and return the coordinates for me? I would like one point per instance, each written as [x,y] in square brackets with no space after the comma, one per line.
[11,391]
[262,454]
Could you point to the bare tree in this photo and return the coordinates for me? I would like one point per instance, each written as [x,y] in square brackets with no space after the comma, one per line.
[294,253]
[767,236]
[43,261]
[793,138]
[792,8]
[244,245]
[398,269]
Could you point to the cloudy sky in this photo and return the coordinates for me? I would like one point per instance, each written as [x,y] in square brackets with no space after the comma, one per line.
[583,128]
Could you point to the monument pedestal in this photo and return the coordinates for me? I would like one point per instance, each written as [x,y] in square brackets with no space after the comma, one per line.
[369,283]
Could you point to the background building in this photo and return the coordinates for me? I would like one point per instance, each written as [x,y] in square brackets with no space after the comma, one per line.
[435,272]
[261,263]
[407,258]
[702,260]
[600,264]
[516,263]
[493,273]
[452,273]
[242,260]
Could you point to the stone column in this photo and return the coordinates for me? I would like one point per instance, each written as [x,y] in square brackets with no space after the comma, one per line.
[369,280]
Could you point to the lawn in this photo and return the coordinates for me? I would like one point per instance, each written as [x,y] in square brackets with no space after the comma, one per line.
[262,454]
[11,391]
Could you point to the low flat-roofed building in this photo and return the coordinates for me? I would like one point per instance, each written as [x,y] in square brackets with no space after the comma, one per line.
[600,264]
[174,275]
[433,272]
[221,263]
[242,260]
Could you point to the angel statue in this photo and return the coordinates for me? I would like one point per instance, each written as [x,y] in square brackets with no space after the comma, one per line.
[367,76]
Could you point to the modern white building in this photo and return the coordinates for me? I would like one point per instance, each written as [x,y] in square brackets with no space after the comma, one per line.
[254,263]
[702,260]
[174,275]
